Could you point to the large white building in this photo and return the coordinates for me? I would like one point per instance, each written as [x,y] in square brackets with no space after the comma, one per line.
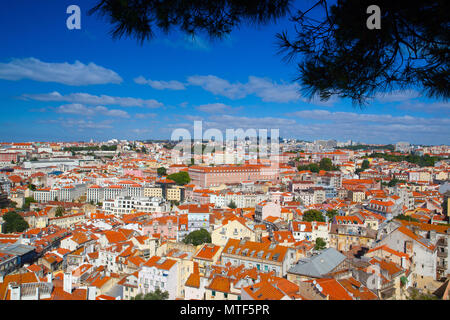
[66,193]
[126,205]
[159,273]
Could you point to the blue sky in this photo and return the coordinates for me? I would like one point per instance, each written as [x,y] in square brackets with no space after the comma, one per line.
[69,85]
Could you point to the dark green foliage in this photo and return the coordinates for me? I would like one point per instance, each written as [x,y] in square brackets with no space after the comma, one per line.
[331,214]
[324,164]
[313,167]
[313,215]
[181,178]
[141,19]
[422,161]
[161,171]
[417,295]
[91,148]
[406,218]
[26,204]
[155,295]
[232,205]
[365,164]
[394,182]
[320,244]
[339,55]
[198,237]
[367,147]
[59,211]
[14,222]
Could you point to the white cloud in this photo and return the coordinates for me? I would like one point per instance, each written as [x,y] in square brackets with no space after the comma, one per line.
[214,108]
[145,115]
[86,98]
[371,128]
[264,88]
[81,123]
[160,85]
[353,117]
[80,109]
[76,74]
[434,107]
[397,96]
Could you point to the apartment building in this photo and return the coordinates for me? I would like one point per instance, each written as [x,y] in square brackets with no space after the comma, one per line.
[215,176]
[262,256]
[127,205]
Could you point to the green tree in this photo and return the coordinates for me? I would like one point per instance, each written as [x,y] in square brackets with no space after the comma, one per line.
[393,182]
[365,164]
[198,237]
[181,178]
[161,171]
[59,212]
[313,215]
[175,202]
[27,202]
[14,222]
[320,244]
[232,205]
[313,167]
[32,187]
[158,294]
[331,214]
[326,164]
[406,218]
[415,294]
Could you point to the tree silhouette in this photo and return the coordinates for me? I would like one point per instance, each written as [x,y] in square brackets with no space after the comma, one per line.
[340,56]
[337,54]
[141,18]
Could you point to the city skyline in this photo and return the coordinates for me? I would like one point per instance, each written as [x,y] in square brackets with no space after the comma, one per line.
[65,85]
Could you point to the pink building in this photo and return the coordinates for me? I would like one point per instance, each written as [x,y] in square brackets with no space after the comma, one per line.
[265,209]
[214,176]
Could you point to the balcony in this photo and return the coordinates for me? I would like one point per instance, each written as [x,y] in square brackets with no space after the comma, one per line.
[388,285]
[442,254]
[441,266]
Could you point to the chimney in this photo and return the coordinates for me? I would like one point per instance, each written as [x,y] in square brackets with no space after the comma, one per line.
[49,277]
[15,291]
[68,282]
[36,296]
[91,293]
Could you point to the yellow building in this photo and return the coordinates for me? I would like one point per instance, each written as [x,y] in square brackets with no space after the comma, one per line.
[234,228]
[153,192]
